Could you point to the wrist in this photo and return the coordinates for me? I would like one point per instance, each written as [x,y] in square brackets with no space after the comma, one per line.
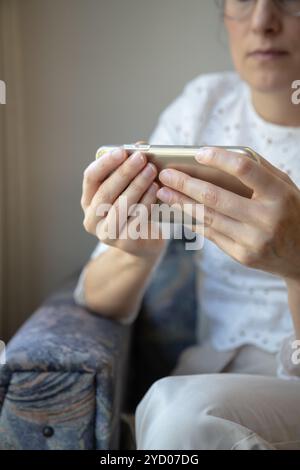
[142,262]
[150,261]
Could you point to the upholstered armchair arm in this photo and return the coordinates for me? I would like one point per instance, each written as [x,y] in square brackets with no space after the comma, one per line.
[62,386]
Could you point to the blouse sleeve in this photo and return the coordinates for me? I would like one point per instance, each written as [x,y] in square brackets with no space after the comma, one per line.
[288,359]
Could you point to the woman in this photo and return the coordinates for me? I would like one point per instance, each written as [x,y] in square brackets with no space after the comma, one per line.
[239,388]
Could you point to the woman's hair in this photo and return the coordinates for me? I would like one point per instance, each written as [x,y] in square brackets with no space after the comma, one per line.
[220,7]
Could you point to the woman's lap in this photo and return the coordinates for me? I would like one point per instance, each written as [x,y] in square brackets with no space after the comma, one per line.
[225,410]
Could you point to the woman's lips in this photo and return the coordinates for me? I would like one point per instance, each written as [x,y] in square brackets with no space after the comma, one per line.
[271,54]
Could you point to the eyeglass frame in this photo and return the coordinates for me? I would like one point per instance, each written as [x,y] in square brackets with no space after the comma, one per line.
[220,5]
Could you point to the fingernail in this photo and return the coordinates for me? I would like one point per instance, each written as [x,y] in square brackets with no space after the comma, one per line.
[154,188]
[117,154]
[136,158]
[149,170]
[165,175]
[203,154]
[164,194]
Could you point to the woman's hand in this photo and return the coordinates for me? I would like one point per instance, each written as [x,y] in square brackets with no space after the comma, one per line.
[105,181]
[262,232]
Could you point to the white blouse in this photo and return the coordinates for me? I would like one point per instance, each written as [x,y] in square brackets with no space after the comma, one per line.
[237,305]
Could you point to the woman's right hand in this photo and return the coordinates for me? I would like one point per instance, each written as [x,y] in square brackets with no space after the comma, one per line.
[104,181]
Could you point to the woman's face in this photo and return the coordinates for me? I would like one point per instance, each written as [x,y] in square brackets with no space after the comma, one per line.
[267,27]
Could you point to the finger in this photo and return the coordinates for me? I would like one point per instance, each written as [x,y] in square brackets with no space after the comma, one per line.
[225,243]
[140,184]
[184,203]
[242,233]
[97,172]
[219,199]
[146,202]
[121,231]
[116,183]
[111,188]
[249,172]
[150,197]
[131,196]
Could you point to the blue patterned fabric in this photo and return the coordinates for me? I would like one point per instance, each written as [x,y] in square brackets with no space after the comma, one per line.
[64,370]
[70,372]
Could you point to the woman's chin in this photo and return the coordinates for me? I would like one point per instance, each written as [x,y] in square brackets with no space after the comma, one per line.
[269,81]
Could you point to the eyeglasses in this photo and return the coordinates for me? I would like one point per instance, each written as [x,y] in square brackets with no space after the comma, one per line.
[242,9]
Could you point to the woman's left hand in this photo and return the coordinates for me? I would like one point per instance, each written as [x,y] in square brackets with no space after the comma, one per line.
[262,232]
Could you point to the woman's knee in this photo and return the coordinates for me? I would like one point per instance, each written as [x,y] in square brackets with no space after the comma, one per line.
[183,412]
[195,393]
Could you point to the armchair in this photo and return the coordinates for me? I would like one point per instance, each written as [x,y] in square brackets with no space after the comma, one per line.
[73,377]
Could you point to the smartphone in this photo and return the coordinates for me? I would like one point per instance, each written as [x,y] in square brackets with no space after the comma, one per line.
[173,155]
[182,158]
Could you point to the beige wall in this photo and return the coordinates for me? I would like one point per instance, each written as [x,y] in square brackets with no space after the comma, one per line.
[95,72]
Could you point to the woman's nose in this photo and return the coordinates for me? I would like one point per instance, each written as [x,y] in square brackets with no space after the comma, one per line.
[266,17]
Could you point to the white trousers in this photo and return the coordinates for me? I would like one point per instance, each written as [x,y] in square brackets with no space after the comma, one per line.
[216,400]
